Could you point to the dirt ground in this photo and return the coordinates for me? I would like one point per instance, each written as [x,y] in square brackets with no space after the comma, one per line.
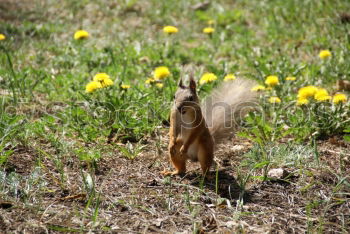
[134,197]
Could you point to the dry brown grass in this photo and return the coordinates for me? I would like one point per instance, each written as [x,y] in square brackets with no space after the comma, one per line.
[134,197]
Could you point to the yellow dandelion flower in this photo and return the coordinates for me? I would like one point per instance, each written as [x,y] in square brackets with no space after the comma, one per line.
[291,78]
[307,91]
[258,88]
[2,37]
[125,86]
[302,101]
[208,30]
[101,77]
[104,79]
[81,34]
[207,78]
[274,100]
[150,81]
[160,85]
[322,95]
[210,22]
[229,77]
[92,86]
[271,81]
[170,30]
[161,73]
[107,82]
[339,97]
[324,54]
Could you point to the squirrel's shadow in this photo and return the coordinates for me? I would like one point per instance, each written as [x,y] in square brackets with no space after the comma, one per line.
[221,182]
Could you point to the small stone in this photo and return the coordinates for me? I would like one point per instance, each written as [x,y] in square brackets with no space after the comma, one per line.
[238,148]
[231,224]
[277,173]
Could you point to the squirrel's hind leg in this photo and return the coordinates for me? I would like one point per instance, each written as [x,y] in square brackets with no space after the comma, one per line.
[178,161]
[205,157]
[180,167]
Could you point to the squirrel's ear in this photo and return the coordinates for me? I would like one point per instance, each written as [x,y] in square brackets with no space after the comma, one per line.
[180,83]
[192,84]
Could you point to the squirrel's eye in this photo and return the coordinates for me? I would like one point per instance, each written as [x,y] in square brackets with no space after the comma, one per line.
[190,99]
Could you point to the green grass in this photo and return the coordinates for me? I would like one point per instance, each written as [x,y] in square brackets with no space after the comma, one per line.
[45,112]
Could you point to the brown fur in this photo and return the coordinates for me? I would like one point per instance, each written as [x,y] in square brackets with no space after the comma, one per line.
[227,105]
[191,137]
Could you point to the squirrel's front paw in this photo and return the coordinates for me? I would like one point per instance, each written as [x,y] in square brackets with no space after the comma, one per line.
[183,149]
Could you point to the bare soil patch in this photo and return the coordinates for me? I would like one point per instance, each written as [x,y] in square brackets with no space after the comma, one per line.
[134,197]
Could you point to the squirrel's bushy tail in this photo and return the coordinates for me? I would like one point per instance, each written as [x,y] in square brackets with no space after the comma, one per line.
[226,105]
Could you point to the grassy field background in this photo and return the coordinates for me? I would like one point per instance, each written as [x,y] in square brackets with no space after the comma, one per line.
[77,162]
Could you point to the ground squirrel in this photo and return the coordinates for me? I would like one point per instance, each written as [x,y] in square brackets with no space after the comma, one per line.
[195,127]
